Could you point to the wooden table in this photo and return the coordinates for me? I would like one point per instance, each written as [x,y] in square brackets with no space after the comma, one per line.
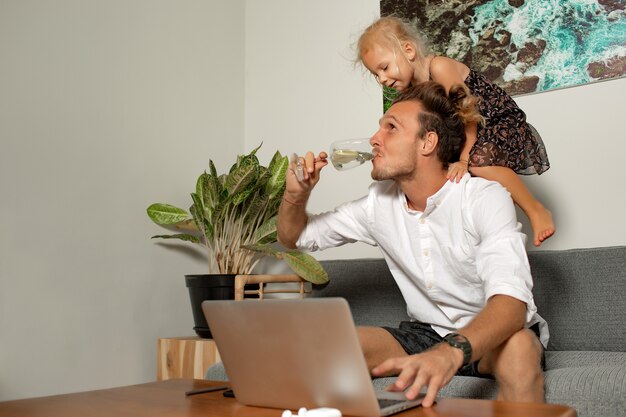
[167,399]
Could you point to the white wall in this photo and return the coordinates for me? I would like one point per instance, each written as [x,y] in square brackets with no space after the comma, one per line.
[583,129]
[105,108]
[303,90]
[108,106]
[302,93]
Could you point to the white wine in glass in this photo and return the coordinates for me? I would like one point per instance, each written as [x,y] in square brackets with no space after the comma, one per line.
[350,153]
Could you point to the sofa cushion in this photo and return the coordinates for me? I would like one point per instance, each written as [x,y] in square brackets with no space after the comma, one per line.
[591,390]
[594,383]
[580,293]
[459,387]
[576,359]
[216,372]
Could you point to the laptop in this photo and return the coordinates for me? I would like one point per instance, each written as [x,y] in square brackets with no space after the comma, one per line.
[297,353]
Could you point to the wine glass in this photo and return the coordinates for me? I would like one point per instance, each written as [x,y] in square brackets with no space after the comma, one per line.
[350,153]
[299,171]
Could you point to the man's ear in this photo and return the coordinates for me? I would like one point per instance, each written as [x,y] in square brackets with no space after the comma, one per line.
[429,143]
[409,50]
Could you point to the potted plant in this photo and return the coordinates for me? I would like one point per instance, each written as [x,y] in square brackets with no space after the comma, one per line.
[233,217]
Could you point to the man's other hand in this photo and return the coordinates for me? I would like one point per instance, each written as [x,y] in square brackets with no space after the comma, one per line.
[433,369]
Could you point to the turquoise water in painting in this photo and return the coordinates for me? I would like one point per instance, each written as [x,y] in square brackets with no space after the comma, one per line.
[577,33]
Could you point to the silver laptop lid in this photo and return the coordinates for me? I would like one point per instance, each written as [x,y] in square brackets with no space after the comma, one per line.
[293,353]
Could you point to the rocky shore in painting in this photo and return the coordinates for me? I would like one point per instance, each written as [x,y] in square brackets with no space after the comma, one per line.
[503,40]
[611,68]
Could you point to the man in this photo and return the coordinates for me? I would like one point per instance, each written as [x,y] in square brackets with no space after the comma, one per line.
[454,249]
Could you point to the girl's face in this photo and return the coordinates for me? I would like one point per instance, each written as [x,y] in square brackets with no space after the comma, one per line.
[390,66]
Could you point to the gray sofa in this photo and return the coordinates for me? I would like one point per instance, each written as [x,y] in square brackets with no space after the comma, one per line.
[580,292]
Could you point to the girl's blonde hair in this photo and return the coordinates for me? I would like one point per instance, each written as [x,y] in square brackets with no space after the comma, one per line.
[466,104]
[391,31]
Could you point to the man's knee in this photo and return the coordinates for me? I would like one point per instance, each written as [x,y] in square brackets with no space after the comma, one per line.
[520,357]
[378,345]
[521,350]
[518,370]
[377,339]
[525,346]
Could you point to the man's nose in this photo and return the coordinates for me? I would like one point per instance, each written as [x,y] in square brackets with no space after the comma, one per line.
[375,139]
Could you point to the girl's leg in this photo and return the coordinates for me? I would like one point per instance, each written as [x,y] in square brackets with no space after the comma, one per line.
[540,217]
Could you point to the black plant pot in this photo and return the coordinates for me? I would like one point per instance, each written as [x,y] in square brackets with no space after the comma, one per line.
[209,287]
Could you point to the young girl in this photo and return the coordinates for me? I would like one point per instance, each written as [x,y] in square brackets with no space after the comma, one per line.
[498,149]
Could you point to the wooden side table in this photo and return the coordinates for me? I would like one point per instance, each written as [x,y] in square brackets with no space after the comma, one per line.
[185,357]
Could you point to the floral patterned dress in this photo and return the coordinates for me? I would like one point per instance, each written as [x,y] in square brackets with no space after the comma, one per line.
[505,139]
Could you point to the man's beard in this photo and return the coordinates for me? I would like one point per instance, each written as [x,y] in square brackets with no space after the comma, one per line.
[393,173]
[404,168]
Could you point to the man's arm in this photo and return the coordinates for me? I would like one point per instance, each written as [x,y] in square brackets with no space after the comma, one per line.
[502,264]
[500,319]
[434,368]
[292,217]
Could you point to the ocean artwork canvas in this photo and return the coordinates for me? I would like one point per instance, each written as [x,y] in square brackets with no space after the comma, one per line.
[525,46]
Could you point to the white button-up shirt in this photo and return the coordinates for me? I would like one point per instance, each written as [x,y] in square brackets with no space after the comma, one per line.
[465,247]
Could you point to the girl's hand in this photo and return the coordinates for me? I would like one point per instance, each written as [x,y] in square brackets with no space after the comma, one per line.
[457,170]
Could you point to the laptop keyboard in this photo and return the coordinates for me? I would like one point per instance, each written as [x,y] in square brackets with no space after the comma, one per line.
[382,403]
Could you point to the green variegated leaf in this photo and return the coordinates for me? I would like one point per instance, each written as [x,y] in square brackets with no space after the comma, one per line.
[303,264]
[201,185]
[277,181]
[188,224]
[263,176]
[201,211]
[273,206]
[244,160]
[220,212]
[256,149]
[279,194]
[266,249]
[209,232]
[182,236]
[249,159]
[198,220]
[165,214]
[266,233]
[254,207]
[242,196]
[213,188]
[277,157]
[209,194]
[235,165]
[306,266]
[238,180]
[248,194]
[212,169]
